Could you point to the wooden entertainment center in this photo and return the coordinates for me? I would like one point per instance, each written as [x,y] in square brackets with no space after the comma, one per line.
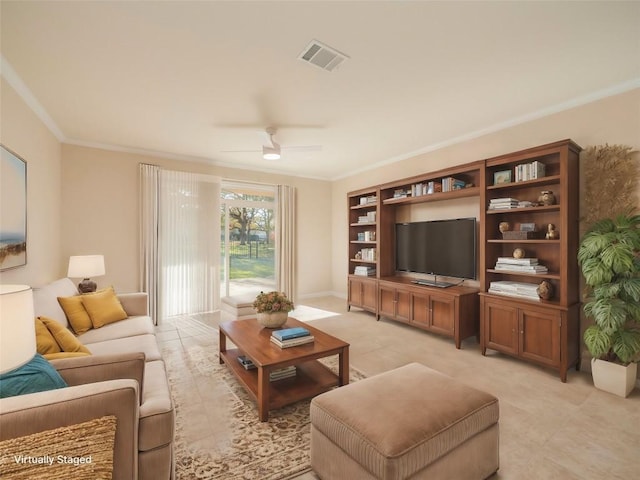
[542,331]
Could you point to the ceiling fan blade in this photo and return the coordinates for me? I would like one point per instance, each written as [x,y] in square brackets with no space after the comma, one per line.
[302,148]
[240,151]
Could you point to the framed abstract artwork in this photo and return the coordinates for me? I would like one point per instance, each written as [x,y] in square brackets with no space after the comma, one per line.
[13,210]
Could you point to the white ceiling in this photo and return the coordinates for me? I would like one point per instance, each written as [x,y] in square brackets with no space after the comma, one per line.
[192,79]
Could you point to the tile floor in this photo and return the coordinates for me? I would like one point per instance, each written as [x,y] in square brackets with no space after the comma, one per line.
[548,429]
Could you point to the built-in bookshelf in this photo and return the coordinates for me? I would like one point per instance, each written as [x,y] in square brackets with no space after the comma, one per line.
[533,195]
[363,211]
[543,227]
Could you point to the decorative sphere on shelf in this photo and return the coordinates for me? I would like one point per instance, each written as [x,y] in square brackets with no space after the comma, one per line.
[518,253]
[504,227]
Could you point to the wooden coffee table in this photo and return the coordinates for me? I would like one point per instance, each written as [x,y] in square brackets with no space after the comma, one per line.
[312,378]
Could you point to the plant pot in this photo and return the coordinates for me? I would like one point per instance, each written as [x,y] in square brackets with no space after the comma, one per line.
[614,378]
[272,319]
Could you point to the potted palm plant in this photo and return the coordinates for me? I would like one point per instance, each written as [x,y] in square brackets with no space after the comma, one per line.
[609,255]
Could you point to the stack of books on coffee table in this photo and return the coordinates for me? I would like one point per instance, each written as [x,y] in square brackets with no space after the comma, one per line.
[282,373]
[291,337]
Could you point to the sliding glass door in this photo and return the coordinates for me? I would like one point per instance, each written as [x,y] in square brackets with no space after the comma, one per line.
[247,221]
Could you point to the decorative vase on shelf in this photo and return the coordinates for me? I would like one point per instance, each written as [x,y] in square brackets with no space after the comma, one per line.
[272,319]
[504,227]
[547,197]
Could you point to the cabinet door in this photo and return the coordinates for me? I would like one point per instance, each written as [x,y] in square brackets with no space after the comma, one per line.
[442,314]
[387,304]
[403,305]
[420,309]
[355,293]
[500,327]
[370,295]
[540,336]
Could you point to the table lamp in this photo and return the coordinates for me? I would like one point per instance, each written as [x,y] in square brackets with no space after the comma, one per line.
[17,327]
[85,266]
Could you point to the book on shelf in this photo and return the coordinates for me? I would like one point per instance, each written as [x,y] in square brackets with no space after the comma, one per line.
[521,268]
[503,203]
[515,289]
[294,342]
[451,183]
[368,200]
[365,271]
[246,362]
[529,171]
[289,333]
[282,373]
[517,261]
[368,236]
[433,187]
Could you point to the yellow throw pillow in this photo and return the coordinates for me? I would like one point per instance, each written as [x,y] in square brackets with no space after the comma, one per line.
[45,343]
[103,307]
[67,340]
[76,313]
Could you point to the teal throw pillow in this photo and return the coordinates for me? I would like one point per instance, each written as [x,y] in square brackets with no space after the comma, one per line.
[38,375]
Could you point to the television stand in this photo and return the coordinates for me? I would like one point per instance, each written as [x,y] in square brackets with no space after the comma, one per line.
[433,283]
[452,312]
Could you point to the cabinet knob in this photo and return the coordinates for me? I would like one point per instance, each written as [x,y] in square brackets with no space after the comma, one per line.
[521,332]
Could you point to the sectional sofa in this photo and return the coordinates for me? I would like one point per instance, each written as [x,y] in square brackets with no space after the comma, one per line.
[124,376]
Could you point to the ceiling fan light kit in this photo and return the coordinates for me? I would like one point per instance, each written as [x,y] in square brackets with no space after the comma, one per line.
[271,153]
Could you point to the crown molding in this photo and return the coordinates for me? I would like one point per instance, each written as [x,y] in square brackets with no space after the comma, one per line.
[13,79]
[545,112]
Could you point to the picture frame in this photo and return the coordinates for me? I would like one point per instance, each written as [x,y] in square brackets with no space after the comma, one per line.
[13,210]
[503,176]
[527,227]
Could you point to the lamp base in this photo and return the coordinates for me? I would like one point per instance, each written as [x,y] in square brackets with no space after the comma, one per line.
[87,286]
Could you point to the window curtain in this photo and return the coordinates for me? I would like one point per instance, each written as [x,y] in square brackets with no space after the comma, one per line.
[186,226]
[285,240]
[149,255]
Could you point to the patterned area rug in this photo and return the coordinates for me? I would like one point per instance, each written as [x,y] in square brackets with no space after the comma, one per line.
[247,449]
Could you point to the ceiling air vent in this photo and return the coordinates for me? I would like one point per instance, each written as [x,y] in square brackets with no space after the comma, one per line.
[322,56]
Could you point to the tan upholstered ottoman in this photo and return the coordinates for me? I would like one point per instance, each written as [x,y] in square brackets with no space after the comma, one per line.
[408,423]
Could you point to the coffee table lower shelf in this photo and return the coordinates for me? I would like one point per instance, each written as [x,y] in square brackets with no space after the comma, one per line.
[312,378]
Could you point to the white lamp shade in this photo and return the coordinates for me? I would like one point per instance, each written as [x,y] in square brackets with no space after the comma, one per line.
[17,327]
[86,266]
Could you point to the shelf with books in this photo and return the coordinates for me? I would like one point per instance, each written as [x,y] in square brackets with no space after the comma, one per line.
[435,197]
[548,275]
[548,180]
[542,208]
[363,259]
[546,331]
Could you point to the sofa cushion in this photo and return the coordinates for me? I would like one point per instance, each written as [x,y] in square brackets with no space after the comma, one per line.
[76,313]
[103,307]
[139,343]
[37,375]
[130,328]
[156,411]
[45,299]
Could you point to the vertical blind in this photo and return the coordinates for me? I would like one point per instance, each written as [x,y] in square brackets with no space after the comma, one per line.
[181,225]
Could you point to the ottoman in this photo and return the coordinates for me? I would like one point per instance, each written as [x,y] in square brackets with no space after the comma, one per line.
[408,423]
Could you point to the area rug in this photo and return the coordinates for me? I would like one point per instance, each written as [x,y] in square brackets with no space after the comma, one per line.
[247,449]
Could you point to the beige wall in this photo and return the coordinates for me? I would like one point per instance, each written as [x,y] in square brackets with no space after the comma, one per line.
[23,133]
[613,120]
[100,213]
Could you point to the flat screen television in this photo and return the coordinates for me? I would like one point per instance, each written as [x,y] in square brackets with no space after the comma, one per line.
[440,247]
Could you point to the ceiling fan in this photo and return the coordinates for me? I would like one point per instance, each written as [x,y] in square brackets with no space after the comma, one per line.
[272,150]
